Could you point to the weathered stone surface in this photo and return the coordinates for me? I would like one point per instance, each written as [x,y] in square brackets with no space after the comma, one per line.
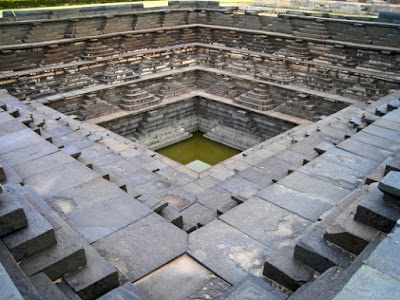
[197,215]
[126,291]
[383,133]
[390,184]
[46,288]
[18,140]
[169,282]
[216,199]
[12,216]
[257,176]
[275,167]
[376,141]
[284,269]
[178,198]
[252,287]
[9,126]
[365,150]
[152,240]
[316,253]
[311,208]
[237,184]
[314,187]
[227,252]
[7,288]
[368,283]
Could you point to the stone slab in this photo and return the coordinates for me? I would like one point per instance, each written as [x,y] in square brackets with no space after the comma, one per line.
[365,150]
[386,256]
[24,155]
[7,288]
[275,167]
[216,199]
[336,174]
[126,291]
[120,169]
[107,217]
[18,140]
[42,164]
[267,223]
[305,206]
[10,126]
[374,211]
[376,141]
[324,191]
[46,288]
[313,251]
[383,133]
[257,176]
[252,287]
[143,246]
[61,178]
[141,177]
[368,283]
[183,278]
[17,276]
[67,255]
[227,252]
[9,175]
[237,184]
[284,269]
[76,139]
[197,215]
[12,215]
[103,160]
[390,184]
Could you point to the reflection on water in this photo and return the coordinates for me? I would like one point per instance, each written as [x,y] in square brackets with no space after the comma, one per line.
[198,153]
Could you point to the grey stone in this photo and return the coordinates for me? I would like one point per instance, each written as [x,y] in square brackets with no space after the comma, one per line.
[46,288]
[61,178]
[172,216]
[252,287]
[285,270]
[275,167]
[9,175]
[17,276]
[301,204]
[18,140]
[374,211]
[390,184]
[368,283]
[227,252]
[7,288]
[376,141]
[36,236]
[216,199]
[12,216]
[126,291]
[237,184]
[67,290]
[9,126]
[178,198]
[365,150]
[153,241]
[383,133]
[267,223]
[67,255]
[119,169]
[170,283]
[313,251]
[314,187]
[196,215]
[71,151]
[257,176]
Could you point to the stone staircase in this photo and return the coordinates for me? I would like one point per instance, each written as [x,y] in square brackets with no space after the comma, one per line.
[258,98]
[136,98]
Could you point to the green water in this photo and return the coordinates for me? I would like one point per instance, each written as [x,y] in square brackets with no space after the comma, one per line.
[198,148]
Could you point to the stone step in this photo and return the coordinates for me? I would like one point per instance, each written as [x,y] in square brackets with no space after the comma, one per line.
[64,257]
[250,286]
[126,291]
[332,281]
[8,290]
[390,186]
[46,288]
[285,270]
[379,172]
[17,276]
[376,212]
[67,290]
[314,251]
[36,236]
[12,215]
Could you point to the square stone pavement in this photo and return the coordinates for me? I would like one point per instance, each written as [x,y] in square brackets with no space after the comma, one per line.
[228,252]
[142,247]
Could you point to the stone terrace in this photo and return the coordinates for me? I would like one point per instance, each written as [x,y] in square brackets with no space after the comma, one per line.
[308,211]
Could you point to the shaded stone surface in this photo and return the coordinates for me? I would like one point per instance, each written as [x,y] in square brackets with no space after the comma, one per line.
[7,288]
[142,247]
[269,224]
[390,184]
[126,291]
[216,199]
[183,278]
[227,252]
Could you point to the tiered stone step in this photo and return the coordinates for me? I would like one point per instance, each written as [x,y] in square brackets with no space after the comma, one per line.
[12,215]
[46,288]
[58,54]
[296,49]
[258,98]
[93,107]
[321,80]
[114,73]
[354,34]
[74,80]
[136,98]
[336,55]
[315,30]
[276,71]
[95,50]
[300,107]
[243,65]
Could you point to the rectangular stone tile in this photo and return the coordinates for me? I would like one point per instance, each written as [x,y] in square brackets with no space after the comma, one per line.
[62,178]
[106,159]
[257,176]
[383,133]
[301,204]
[216,199]
[140,177]
[383,122]
[275,167]
[42,164]
[376,141]
[143,246]
[27,154]
[76,139]
[365,150]
[237,184]
[227,252]
[5,117]
[10,126]
[18,140]
[314,187]
[368,283]
[93,151]
[291,157]
[336,174]
[269,224]
[350,160]
[120,169]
